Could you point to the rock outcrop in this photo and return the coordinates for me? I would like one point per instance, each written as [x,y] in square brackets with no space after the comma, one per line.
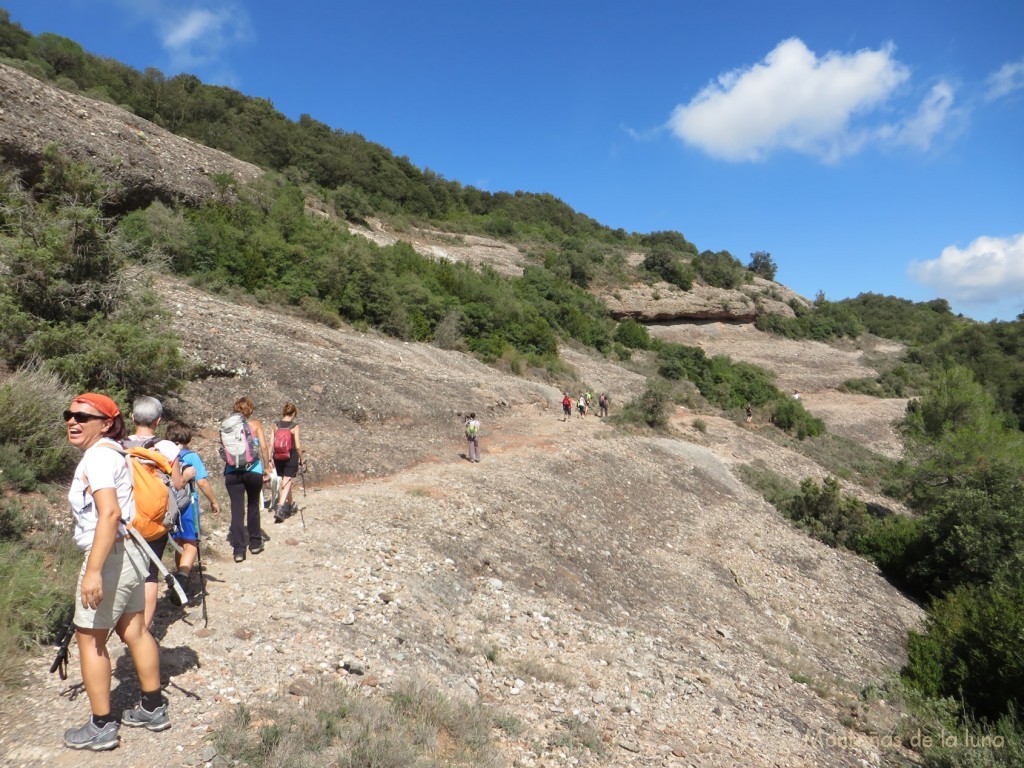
[663,302]
[149,162]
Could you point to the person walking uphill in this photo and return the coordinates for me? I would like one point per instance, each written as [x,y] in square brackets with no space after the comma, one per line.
[188,529]
[287,443]
[244,479]
[111,585]
[473,438]
[147,412]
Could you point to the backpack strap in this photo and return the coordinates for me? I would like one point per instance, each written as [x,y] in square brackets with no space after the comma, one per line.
[115,446]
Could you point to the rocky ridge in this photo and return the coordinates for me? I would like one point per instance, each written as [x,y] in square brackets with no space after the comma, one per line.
[148,162]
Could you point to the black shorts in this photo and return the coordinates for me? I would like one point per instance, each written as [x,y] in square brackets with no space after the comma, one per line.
[158,546]
[289,467]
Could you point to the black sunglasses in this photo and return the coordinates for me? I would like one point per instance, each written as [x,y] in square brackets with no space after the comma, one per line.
[81,417]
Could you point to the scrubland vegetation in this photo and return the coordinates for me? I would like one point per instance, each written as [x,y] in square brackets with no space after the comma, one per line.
[78,315]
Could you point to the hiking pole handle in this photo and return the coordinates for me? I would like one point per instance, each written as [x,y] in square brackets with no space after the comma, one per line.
[172,583]
[60,661]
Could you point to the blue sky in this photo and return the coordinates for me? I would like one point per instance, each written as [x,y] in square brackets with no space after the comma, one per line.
[871,146]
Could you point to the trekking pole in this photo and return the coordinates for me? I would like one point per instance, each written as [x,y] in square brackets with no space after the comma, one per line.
[172,583]
[199,565]
[302,476]
[60,661]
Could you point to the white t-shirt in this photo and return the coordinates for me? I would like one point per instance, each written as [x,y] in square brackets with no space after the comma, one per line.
[101,467]
[166,447]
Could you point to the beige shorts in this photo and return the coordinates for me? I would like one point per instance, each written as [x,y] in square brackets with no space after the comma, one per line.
[124,576]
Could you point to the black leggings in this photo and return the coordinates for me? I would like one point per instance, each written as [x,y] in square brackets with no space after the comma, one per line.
[244,491]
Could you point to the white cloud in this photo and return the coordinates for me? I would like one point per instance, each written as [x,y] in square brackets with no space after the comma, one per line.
[191,28]
[933,116]
[199,36]
[990,269]
[796,101]
[1009,78]
[195,35]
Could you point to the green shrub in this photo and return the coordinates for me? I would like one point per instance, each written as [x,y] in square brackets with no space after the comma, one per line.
[827,514]
[763,265]
[32,603]
[670,267]
[14,523]
[973,533]
[971,648]
[632,334]
[944,736]
[789,414]
[34,442]
[721,269]
[824,320]
[652,408]
[889,542]
[776,489]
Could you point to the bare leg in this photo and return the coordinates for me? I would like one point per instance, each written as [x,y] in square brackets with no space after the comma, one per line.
[187,557]
[152,588]
[145,653]
[285,496]
[95,665]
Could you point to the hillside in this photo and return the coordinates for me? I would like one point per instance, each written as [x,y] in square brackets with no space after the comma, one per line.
[149,163]
[580,577]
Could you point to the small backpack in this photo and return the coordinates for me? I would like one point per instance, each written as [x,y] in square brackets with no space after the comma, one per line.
[283,441]
[237,443]
[156,508]
[472,428]
[182,496]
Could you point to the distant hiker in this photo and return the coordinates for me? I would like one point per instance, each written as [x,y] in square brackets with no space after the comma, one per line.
[581,407]
[589,398]
[111,585]
[566,407]
[473,438]
[147,413]
[187,531]
[602,404]
[749,413]
[287,458]
[796,395]
[246,465]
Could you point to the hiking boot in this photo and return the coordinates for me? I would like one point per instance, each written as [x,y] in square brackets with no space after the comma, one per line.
[91,736]
[279,514]
[240,557]
[256,550]
[172,594]
[140,717]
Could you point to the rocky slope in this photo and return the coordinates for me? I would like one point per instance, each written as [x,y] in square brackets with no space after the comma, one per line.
[581,575]
[149,162]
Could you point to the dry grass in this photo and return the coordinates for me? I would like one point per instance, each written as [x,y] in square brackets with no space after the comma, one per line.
[544,673]
[415,725]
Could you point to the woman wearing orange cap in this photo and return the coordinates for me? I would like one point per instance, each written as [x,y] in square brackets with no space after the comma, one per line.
[111,592]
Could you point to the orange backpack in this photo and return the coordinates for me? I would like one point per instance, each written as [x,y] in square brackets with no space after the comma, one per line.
[156,509]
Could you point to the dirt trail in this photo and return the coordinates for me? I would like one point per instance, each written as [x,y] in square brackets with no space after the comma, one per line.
[580,574]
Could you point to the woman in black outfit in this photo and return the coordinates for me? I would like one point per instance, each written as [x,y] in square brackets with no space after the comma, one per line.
[287,469]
